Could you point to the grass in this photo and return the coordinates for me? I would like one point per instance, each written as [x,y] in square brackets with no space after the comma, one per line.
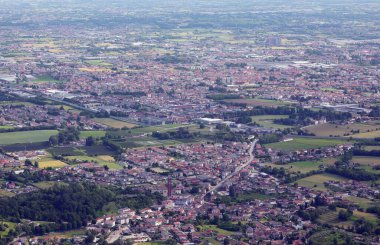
[267,121]
[259,102]
[361,202]
[98,63]
[95,134]
[4,193]
[26,136]
[216,229]
[301,167]
[317,181]
[67,234]
[367,163]
[6,127]
[47,184]
[100,160]
[109,122]
[329,129]
[304,144]
[10,227]
[45,79]
[368,135]
[331,217]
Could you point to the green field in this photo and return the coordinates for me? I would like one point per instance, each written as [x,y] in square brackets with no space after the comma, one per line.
[258,102]
[98,63]
[45,79]
[26,136]
[100,160]
[331,217]
[367,163]
[95,134]
[10,227]
[267,121]
[316,182]
[304,144]
[361,202]
[109,122]
[6,127]
[367,135]
[216,229]
[300,167]
[336,130]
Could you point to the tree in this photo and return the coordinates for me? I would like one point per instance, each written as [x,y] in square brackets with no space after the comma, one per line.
[90,141]
[53,140]
[106,168]
[28,162]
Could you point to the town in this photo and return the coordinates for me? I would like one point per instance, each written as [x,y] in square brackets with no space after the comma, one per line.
[211,122]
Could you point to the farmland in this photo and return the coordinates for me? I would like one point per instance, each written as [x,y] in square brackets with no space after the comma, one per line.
[331,217]
[26,136]
[316,182]
[267,121]
[304,143]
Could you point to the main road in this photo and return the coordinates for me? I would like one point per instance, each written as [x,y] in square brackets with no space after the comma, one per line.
[237,170]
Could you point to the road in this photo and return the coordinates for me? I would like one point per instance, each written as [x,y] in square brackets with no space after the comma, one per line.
[237,170]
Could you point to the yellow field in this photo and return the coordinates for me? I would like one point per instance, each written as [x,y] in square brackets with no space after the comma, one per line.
[51,164]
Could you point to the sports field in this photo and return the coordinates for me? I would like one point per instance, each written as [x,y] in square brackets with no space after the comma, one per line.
[26,136]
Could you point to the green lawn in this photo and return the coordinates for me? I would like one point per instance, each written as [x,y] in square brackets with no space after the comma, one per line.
[304,144]
[26,136]
[6,127]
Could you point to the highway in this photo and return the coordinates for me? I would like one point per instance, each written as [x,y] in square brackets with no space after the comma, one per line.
[237,170]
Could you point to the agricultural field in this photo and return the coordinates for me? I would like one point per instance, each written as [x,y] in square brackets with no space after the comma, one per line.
[65,234]
[26,136]
[304,144]
[334,130]
[317,181]
[47,184]
[109,122]
[259,102]
[267,121]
